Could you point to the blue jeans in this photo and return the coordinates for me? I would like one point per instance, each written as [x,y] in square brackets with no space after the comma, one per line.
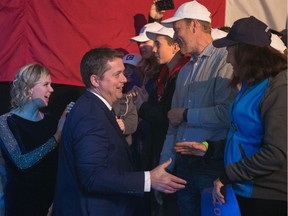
[198,178]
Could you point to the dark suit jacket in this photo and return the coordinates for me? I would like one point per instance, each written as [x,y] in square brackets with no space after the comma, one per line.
[95,172]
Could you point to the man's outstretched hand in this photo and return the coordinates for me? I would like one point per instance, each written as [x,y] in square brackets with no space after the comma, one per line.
[164,181]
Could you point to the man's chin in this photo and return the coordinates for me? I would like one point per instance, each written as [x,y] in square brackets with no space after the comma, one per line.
[119,96]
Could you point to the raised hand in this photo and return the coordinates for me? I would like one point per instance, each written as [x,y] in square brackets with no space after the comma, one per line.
[154,13]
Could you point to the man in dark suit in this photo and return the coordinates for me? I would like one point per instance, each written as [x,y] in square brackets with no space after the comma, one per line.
[95,171]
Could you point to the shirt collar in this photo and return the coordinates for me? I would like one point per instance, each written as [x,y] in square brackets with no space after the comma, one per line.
[102,99]
[206,52]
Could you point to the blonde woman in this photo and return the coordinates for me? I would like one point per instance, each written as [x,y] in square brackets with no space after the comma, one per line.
[29,140]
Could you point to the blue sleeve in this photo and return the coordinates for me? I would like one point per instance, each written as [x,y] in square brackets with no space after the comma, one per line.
[10,147]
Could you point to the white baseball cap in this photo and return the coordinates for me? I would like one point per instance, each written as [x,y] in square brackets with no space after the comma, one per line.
[190,10]
[142,37]
[217,33]
[163,31]
[132,59]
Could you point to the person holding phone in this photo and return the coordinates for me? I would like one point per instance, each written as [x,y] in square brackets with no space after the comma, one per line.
[163,5]
[158,8]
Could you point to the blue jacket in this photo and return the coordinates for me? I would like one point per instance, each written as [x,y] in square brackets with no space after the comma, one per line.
[256,148]
[246,131]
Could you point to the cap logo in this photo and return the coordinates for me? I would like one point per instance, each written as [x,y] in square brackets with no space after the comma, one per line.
[130,57]
[143,29]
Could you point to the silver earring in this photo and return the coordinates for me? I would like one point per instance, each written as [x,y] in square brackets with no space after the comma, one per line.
[30,95]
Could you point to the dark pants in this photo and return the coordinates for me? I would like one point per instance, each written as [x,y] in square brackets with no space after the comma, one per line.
[254,207]
[199,175]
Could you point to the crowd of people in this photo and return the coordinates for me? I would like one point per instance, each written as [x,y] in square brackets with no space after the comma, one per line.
[199,108]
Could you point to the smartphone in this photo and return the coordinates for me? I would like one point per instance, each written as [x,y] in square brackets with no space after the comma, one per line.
[165,5]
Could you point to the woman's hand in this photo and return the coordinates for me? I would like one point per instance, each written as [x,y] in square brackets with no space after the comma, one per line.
[216,193]
[62,120]
[190,148]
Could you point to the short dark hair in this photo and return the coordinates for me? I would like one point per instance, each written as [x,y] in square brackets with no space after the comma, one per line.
[94,62]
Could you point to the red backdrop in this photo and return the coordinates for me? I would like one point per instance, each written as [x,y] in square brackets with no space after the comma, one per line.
[57,33]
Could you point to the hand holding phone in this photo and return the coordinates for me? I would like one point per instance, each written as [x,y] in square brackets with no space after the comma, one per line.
[164,5]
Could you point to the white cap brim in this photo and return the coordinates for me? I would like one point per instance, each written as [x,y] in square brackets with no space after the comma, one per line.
[140,38]
[163,31]
[171,20]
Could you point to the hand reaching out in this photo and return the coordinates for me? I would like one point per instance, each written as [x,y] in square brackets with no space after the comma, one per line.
[190,148]
[164,181]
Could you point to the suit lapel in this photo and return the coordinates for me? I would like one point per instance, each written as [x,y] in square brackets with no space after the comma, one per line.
[112,120]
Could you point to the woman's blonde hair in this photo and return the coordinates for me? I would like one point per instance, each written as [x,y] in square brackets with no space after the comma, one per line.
[25,79]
